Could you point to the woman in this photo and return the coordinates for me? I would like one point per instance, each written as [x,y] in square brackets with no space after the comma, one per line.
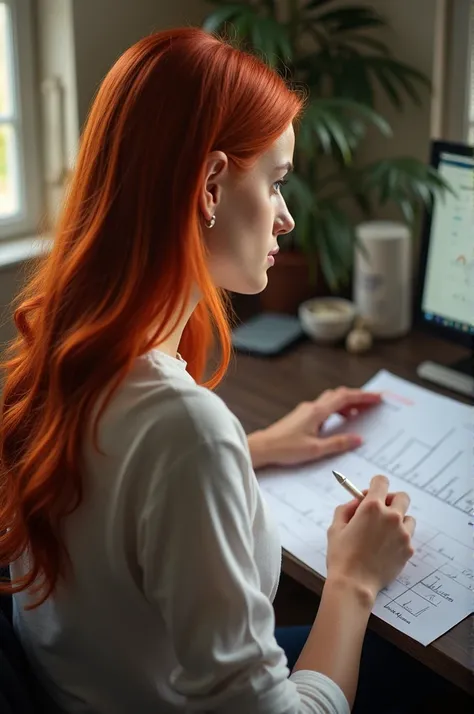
[144,561]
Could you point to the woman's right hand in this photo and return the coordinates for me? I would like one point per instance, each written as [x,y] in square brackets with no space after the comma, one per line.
[369,542]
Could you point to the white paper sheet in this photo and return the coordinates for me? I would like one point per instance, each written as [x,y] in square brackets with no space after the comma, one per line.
[425,444]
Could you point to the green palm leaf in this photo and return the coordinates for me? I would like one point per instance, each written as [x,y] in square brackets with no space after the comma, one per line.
[338,123]
[300,199]
[356,84]
[404,181]
[342,234]
[322,228]
[267,37]
[328,265]
[335,240]
[217,19]
[354,75]
[370,42]
[399,76]
[312,4]
[344,19]
[389,87]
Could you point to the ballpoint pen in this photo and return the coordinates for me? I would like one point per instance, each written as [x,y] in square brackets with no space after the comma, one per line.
[353,490]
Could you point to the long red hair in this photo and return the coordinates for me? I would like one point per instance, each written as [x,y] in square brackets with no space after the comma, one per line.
[127,252]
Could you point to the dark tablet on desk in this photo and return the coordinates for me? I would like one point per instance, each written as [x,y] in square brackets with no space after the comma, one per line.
[267,333]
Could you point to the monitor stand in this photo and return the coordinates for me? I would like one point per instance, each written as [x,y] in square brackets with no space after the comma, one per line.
[459,376]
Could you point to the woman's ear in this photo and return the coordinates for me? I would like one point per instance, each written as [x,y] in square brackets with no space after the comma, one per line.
[216,169]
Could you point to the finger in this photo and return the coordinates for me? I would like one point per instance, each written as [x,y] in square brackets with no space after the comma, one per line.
[329,445]
[410,524]
[344,513]
[356,410]
[379,488]
[350,412]
[389,498]
[400,502]
[345,398]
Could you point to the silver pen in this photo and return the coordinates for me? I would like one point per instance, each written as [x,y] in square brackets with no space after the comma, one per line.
[353,490]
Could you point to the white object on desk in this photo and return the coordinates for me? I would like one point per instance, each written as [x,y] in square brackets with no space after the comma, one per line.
[327,319]
[446,377]
[423,442]
[383,277]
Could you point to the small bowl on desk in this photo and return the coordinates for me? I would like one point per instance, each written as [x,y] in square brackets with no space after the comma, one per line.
[327,320]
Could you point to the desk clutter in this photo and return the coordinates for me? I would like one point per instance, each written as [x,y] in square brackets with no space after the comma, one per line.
[330,320]
[381,305]
[324,320]
[267,334]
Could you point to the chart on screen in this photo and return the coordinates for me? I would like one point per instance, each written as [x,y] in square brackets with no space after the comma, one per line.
[424,443]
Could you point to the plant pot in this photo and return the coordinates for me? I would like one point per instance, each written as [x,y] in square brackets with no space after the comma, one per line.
[289,283]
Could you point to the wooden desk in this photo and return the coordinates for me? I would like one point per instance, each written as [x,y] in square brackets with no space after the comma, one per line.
[261,390]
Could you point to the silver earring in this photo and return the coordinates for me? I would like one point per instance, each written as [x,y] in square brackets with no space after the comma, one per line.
[211,223]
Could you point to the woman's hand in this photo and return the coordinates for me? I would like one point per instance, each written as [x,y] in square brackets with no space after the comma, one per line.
[369,542]
[296,438]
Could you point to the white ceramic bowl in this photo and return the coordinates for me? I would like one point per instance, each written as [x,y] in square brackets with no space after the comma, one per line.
[327,319]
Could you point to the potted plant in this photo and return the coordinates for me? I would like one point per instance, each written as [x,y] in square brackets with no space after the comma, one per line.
[333,52]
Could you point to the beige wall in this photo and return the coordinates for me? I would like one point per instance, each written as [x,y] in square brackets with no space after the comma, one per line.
[12,279]
[103,29]
[412,38]
[82,39]
[78,41]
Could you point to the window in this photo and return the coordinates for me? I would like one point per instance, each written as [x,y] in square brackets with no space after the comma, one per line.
[19,166]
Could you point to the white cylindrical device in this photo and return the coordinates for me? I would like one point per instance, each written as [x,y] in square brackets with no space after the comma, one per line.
[383,277]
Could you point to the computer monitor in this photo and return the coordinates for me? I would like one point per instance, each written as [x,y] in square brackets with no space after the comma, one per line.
[445,299]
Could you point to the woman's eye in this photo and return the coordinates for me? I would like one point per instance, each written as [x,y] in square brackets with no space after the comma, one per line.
[277,186]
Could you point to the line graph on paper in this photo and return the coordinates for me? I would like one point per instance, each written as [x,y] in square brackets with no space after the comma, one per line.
[434,591]
[426,447]
[434,466]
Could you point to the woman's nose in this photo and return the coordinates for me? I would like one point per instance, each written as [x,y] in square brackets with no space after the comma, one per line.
[284,224]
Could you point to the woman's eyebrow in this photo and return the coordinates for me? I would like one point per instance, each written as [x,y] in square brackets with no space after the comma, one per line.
[288,166]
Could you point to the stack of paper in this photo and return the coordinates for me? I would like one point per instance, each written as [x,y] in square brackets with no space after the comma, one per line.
[424,443]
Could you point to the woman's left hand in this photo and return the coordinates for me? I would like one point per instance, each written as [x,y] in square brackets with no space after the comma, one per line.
[296,438]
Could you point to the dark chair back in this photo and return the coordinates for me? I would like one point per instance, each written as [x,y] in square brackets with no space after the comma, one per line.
[16,681]
[6,602]
[16,695]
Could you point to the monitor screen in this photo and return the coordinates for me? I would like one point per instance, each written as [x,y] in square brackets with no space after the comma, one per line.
[447,297]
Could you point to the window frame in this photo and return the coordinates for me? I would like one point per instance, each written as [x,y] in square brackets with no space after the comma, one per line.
[26,222]
[457,84]
[470,89]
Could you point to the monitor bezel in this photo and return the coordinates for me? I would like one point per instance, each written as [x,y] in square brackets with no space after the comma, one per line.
[446,332]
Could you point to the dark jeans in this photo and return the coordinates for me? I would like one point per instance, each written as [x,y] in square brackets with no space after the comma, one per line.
[390,682]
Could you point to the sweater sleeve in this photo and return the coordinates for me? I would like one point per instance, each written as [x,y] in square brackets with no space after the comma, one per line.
[196,554]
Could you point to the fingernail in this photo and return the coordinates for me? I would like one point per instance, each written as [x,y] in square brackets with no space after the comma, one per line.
[356,440]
